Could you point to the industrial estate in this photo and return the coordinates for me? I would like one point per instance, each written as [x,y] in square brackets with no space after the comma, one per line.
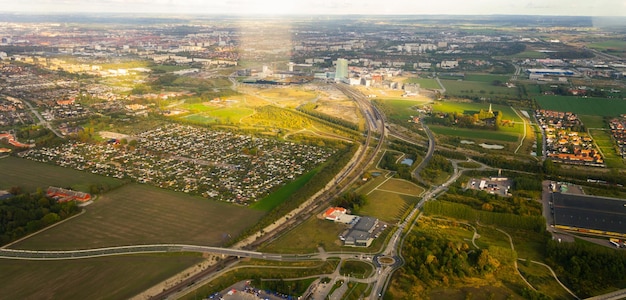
[344,157]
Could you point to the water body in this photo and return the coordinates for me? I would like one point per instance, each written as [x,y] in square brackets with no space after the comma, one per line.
[493,147]
[407,161]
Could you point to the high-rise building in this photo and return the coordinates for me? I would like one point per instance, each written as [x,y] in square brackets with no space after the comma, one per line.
[341,73]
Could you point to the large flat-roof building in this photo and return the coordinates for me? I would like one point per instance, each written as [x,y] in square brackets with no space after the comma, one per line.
[589,214]
[361,234]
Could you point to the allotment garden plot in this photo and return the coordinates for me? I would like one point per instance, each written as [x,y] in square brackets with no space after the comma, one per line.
[216,164]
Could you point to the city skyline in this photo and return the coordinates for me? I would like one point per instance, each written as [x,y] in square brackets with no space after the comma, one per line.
[331,7]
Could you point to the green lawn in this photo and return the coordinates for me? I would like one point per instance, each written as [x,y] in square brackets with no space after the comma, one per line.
[603,139]
[401,110]
[529,54]
[466,88]
[118,277]
[356,269]
[30,175]
[592,121]
[425,83]
[487,78]
[276,198]
[475,134]
[584,106]
[618,45]
[472,108]
[308,236]
[142,214]
[386,206]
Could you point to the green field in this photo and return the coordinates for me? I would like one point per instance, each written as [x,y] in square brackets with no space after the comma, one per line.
[276,198]
[120,277]
[30,175]
[476,88]
[201,119]
[142,214]
[356,269]
[618,45]
[488,78]
[401,110]
[604,140]
[529,54]
[386,206]
[472,108]
[592,121]
[308,236]
[475,134]
[583,106]
[425,83]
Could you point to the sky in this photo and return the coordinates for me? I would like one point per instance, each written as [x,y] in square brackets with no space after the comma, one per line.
[322,7]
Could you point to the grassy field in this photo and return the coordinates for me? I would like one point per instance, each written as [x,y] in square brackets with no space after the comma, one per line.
[308,236]
[592,121]
[476,88]
[120,277]
[541,278]
[276,198]
[618,45]
[584,106]
[386,206]
[401,110]
[487,78]
[30,175]
[401,187]
[142,214]
[475,134]
[472,108]
[603,139]
[529,54]
[425,83]
[356,269]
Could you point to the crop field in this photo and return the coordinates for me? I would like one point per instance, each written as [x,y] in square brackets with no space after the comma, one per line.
[30,175]
[387,206]
[142,214]
[119,277]
[476,88]
[584,106]
[425,83]
[276,198]
[476,134]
